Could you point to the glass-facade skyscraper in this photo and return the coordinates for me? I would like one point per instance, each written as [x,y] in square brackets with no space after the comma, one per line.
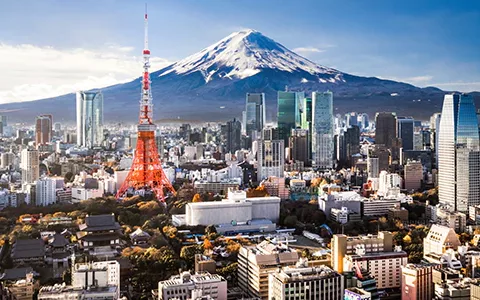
[322,130]
[405,130]
[289,113]
[89,119]
[458,129]
[254,113]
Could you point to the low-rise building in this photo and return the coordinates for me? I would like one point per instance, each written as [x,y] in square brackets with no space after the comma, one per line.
[236,209]
[256,262]
[384,266]
[439,240]
[398,213]
[28,251]
[342,245]
[99,235]
[309,283]
[81,194]
[95,280]
[188,286]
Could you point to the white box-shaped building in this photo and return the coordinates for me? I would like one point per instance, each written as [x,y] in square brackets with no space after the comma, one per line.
[236,209]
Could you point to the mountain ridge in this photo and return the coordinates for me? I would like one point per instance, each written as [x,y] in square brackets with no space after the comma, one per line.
[220,75]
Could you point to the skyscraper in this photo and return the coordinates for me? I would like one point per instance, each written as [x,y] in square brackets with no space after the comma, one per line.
[254,113]
[458,127]
[89,119]
[233,135]
[434,130]
[43,130]
[405,129]
[322,130]
[29,165]
[385,128]
[468,177]
[299,146]
[289,113]
[271,158]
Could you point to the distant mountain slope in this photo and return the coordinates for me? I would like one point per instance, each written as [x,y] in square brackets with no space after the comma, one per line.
[220,75]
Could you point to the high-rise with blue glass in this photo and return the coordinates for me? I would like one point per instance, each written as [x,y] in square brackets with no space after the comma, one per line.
[89,119]
[458,130]
[289,113]
[322,130]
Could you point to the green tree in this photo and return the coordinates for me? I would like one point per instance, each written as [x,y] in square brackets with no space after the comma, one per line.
[290,221]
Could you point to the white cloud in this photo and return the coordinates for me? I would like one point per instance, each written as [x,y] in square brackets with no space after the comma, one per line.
[30,72]
[307,50]
[416,79]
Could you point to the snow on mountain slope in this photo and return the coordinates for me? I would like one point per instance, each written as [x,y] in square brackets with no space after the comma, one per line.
[244,54]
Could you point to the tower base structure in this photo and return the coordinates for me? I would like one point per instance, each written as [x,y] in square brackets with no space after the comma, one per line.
[146,172]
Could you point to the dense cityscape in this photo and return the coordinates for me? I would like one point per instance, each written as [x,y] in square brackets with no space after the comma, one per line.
[312,205]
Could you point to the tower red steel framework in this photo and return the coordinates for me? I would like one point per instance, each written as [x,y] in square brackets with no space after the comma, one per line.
[146,172]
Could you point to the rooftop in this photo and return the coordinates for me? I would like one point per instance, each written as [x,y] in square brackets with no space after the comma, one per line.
[290,274]
[28,248]
[187,278]
[99,223]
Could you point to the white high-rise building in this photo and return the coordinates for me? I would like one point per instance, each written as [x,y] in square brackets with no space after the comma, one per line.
[468,177]
[89,119]
[458,127]
[322,132]
[29,165]
[45,191]
[271,159]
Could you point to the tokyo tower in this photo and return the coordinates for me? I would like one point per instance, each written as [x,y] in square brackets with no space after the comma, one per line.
[146,172]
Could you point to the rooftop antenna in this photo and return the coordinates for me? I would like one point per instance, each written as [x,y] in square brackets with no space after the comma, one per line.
[286,88]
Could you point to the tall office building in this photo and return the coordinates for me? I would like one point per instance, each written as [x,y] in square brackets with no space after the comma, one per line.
[29,165]
[434,130]
[417,281]
[373,167]
[7,160]
[233,135]
[46,191]
[363,121]
[271,159]
[385,128]
[289,113]
[89,119]
[468,177]
[254,113]
[322,131]
[458,127]
[43,130]
[299,146]
[413,175]
[405,130]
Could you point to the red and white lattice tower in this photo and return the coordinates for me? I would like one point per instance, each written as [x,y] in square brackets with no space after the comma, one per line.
[146,172]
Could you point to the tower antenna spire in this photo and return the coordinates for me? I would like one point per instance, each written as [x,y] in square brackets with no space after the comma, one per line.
[146,28]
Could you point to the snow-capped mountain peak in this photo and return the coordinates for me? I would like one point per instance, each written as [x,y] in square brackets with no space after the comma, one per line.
[243,54]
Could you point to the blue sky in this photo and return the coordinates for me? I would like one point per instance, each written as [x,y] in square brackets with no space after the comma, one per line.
[60,45]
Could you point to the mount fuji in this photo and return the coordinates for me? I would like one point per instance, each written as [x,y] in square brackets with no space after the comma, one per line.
[211,85]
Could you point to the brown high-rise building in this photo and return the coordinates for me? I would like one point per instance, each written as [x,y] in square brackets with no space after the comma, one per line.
[299,146]
[417,282]
[43,129]
[385,128]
